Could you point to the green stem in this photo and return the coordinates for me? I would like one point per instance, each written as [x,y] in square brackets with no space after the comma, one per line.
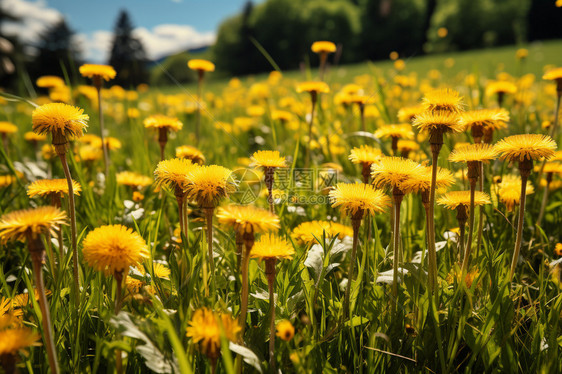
[356,222]
[519,225]
[72,213]
[431,251]
[397,201]
[118,295]
[37,251]
[270,272]
[468,247]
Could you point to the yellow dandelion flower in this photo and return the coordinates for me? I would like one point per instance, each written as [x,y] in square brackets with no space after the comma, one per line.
[407,145]
[553,74]
[365,154]
[30,136]
[110,142]
[558,249]
[57,117]
[159,121]
[48,151]
[313,87]
[443,100]
[48,187]
[204,329]
[473,153]
[509,191]
[323,47]
[308,233]
[191,153]
[113,248]
[90,139]
[285,330]
[268,159]
[89,153]
[522,53]
[393,171]
[21,224]
[7,180]
[407,114]
[500,87]
[255,111]
[7,128]
[527,146]
[208,184]
[201,65]
[281,115]
[485,118]
[270,247]
[352,197]
[49,81]
[173,172]
[402,131]
[422,182]
[440,121]
[14,339]
[248,218]
[161,270]
[453,199]
[132,179]
[92,71]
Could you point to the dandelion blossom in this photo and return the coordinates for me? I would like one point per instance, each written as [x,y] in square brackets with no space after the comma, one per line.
[112,249]
[49,187]
[21,224]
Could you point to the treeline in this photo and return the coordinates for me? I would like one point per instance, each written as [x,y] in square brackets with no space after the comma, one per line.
[371,29]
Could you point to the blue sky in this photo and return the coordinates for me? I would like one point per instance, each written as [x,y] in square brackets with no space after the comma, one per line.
[164,26]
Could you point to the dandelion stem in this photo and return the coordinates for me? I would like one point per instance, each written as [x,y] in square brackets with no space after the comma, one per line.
[269,178]
[398,195]
[72,213]
[525,171]
[270,272]
[461,218]
[248,244]
[356,223]
[118,294]
[37,251]
[209,219]
[468,247]
[431,251]
[480,212]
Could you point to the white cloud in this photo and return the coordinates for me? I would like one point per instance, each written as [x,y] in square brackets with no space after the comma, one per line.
[35,18]
[95,46]
[167,39]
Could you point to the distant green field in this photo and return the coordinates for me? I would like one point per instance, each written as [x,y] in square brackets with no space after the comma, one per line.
[486,62]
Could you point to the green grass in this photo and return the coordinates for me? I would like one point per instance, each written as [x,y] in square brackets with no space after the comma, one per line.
[487,325]
[486,62]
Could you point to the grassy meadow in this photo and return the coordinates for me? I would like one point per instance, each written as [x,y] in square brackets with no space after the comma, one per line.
[132,301]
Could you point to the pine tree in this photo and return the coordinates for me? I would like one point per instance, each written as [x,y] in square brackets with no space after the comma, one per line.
[57,51]
[128,56]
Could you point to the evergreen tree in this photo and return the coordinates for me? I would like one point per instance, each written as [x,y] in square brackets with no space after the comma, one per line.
[128,56]
[57,51]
